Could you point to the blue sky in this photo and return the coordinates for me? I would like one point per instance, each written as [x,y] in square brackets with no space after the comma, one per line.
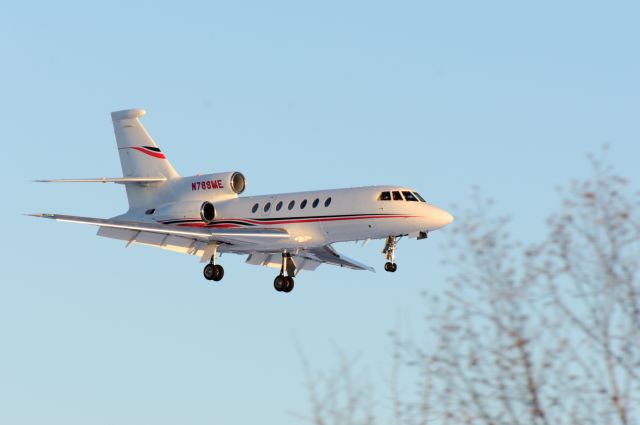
[440,96]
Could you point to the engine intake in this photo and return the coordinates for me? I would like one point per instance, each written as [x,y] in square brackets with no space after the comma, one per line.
[207,212]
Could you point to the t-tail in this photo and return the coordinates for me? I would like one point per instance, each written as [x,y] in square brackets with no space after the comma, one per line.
[145,168]
[140,157]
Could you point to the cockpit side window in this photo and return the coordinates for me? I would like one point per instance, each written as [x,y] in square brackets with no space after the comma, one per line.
[384,196]
[409,196]
[397,196]
[419,197]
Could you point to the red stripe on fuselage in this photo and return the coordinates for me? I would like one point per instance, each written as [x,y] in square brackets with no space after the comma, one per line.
[149,152]
[307,220]
[215,226]
[223,226]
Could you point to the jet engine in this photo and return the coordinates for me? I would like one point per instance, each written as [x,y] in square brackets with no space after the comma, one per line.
[231,183]
[187,211]
[196,196]
[207,212]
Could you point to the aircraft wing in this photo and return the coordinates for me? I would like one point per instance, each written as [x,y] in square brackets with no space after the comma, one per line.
[164,234]
[328,255]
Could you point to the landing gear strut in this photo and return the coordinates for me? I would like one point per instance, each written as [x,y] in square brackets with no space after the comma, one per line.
[390,253]
[284,283]
[213,271]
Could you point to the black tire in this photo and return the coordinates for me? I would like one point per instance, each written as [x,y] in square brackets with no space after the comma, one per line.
[279,283]
[388,267]
[218,273]
[209,271]
[290,285]
[394,267]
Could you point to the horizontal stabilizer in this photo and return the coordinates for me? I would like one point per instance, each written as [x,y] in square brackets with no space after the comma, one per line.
[121,180]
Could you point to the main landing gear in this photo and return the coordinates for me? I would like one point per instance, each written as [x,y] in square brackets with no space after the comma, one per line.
[390,253]
[213,271]
[284,283]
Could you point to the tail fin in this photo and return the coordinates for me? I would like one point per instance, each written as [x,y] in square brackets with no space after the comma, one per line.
[139,156]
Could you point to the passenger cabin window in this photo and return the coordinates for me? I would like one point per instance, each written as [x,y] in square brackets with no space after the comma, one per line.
[150,211]
[327,202]
[291,205]
[303,204]
[409,196]
[419,197]
[397,196]
[384,196]
[315,203]
[267,206]
[279,206]
[255,208]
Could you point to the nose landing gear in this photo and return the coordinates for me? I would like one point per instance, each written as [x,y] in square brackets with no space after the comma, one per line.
[390,267]
[390,253]
[284,283]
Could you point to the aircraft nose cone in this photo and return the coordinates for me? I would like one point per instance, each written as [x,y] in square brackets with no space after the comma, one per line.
[439,218]
[443,218]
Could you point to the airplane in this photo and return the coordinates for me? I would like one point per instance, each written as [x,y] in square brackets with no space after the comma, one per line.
[205,216]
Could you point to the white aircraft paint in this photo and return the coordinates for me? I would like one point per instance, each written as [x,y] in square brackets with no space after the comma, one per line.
[204,215]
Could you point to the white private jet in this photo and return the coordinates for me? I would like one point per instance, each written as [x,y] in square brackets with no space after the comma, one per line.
[204,215]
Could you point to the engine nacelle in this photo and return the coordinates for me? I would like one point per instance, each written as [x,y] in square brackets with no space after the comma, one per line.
[203,210]
[231,183]
[207,212]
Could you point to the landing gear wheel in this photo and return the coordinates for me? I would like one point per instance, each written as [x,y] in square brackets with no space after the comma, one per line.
[289,286]
[213,272]
[209,272]
[218,273]
[280,283]
[390,267]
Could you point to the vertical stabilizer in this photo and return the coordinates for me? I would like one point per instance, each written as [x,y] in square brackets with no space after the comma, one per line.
[139,157]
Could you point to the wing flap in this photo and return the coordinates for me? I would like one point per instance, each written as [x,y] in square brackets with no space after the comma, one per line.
[264,259]
[327,254]
[274,260]
[307,259]
[121,234]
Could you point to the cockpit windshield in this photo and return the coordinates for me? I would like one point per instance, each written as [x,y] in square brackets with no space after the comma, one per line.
[409,196]
[419,197]
[398,195]
[384,196]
